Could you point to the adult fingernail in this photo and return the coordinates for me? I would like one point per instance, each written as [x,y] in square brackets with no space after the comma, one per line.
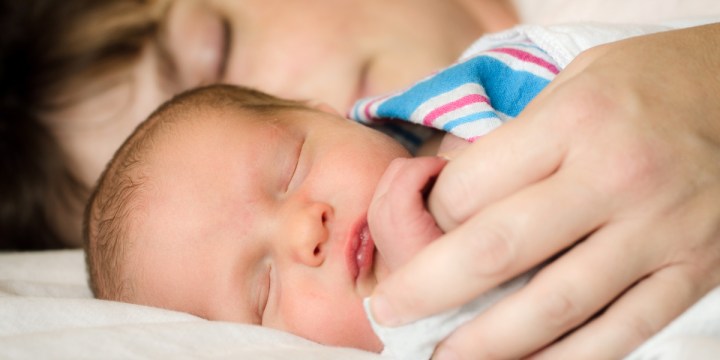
[449,154]
[445,353]
[383,311]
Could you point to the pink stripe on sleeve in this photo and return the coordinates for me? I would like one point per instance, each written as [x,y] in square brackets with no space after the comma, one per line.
[525,56]
[463,101]
[367,108]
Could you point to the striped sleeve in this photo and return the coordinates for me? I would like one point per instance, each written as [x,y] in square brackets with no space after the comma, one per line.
[472,97]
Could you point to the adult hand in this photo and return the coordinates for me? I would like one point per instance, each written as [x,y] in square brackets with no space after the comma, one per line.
[398,219]
[618,160]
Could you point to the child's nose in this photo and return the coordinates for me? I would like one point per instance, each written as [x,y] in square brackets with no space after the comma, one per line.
[307,233]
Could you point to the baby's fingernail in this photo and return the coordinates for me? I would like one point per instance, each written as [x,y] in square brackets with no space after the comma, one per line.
[383,311]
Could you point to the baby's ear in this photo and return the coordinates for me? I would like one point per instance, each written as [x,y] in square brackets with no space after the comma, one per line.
[324,107]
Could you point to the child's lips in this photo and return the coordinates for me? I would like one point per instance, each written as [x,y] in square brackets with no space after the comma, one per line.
[360,251]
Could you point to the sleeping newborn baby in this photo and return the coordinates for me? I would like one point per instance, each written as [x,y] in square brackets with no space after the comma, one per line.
[231,204]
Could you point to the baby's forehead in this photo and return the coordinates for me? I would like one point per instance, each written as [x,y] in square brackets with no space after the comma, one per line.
[202,131]
[194,121]
[212,114]
[177,124]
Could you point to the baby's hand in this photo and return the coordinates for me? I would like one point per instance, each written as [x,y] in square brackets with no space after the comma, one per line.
[398,219]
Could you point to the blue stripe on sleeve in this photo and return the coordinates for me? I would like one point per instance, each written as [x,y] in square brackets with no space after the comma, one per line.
[509,90]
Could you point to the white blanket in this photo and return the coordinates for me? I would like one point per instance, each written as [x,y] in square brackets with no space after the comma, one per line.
[46,311]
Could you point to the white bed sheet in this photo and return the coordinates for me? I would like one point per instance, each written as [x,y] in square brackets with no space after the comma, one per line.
[46,311]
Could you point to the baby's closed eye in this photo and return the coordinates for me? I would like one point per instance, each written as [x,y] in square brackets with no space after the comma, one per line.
[294,175]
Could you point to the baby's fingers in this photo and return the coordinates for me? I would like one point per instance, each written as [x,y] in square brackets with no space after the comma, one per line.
[398,220]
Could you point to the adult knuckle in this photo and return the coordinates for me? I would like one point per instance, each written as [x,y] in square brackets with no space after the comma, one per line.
[560,310]
[589,56]
[633,169]
[700,253]
[446,204]
[690,280]
[707,268]
[491,250]
[459,197]
[638,329]
[583,104]
[592,109]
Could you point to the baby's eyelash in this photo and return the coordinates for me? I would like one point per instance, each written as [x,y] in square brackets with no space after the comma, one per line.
[297,163]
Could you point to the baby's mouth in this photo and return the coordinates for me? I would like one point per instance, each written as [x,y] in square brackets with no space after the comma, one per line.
[361,253]
[366,249]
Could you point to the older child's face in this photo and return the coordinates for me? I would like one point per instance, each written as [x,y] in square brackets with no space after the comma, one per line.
[263,220]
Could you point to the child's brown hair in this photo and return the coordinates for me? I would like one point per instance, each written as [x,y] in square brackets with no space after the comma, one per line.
[115,203]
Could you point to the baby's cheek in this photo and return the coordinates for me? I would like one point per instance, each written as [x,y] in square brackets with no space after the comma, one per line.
[328,320]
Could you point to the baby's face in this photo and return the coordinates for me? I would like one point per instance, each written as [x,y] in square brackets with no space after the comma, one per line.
[263,220]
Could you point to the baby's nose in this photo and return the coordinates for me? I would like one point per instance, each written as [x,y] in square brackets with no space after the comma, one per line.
[307,232]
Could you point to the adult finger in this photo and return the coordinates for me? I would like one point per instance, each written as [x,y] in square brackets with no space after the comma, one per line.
[561,297]
[493,167]
[488,249]
[640,313]
[678,278]
[632,247]
[517,154]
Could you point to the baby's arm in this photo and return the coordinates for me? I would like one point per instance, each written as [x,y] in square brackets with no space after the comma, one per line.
[398,219]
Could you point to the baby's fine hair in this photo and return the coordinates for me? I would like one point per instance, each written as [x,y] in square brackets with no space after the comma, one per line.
[116,201]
